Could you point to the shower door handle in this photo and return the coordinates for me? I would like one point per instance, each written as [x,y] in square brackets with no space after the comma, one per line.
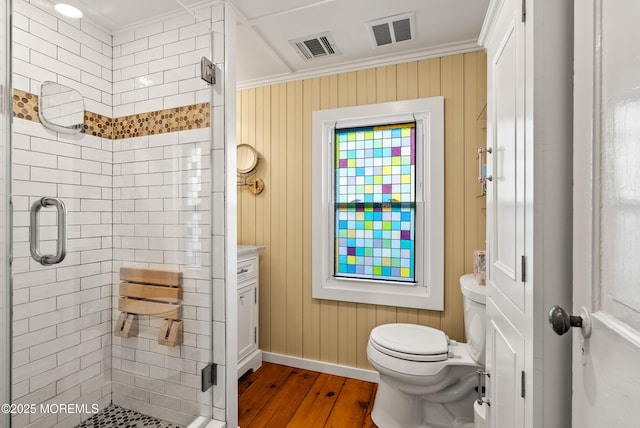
[34,231]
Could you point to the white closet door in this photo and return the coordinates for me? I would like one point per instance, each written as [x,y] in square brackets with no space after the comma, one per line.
[506,163]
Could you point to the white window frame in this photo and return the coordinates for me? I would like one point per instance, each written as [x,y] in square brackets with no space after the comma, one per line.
[428,290]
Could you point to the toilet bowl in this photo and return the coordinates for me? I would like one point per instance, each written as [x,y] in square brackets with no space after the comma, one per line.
[427,380]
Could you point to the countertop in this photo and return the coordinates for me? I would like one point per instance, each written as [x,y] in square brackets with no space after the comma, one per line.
[248,249]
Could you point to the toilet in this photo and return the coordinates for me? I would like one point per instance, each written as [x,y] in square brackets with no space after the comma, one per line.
[427,380]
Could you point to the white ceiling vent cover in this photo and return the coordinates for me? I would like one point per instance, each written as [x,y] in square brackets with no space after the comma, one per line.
[392,29]
[316,46]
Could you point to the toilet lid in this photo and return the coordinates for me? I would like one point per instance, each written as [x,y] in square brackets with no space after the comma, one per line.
[411,342]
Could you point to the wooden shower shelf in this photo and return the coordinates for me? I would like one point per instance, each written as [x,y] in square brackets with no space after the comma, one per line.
[150,276]
[151,292]
[146,307]
[154,293]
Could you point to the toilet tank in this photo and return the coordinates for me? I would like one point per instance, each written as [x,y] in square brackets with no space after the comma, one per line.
[474,296]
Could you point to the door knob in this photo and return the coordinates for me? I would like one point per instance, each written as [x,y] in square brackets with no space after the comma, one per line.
[561,322]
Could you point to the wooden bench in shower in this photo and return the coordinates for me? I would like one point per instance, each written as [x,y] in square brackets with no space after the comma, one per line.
[150,292]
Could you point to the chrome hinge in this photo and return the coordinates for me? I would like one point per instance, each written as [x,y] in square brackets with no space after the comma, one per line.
[208,376]
[523,265]
[522,388]
[482,398]
[524,10]
[207,71]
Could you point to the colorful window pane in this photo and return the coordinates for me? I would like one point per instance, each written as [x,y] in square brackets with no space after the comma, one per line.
[375,202]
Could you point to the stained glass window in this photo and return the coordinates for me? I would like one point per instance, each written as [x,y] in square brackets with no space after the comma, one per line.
[375,170]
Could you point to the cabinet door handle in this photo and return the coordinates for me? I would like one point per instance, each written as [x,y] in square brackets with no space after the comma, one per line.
[481,152]
[243,270]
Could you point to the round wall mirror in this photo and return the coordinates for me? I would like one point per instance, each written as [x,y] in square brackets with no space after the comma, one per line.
[247,158]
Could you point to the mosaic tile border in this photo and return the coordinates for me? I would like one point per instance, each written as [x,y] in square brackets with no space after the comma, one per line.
[162,121]
[98,125]
[25,106]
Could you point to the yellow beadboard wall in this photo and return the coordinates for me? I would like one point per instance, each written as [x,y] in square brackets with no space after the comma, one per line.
[276,120]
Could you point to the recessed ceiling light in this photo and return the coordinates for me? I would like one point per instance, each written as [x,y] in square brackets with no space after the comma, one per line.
[68,10]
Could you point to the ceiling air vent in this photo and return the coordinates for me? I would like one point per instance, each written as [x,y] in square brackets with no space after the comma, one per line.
[317,46]
[392,29]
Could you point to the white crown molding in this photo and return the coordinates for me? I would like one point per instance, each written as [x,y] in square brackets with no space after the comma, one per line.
[489,21]
[435,52]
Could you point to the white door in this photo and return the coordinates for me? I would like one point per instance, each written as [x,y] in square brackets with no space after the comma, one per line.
[505,139]
[505,363]
[606,242]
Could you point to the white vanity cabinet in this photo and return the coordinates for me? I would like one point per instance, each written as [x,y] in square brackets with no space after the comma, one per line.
[249,355]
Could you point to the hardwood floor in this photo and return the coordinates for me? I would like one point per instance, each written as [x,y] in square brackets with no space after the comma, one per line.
[277,396]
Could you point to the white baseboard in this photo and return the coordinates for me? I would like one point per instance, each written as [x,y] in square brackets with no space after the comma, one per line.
[322,367]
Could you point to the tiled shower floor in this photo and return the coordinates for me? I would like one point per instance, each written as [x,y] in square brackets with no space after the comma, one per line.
[116,417]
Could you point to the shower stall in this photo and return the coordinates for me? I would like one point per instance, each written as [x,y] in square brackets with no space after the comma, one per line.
[116,194]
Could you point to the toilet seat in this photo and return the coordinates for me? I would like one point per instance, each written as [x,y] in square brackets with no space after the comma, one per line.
[411,342]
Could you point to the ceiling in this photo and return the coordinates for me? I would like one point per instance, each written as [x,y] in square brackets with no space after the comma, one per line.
[266,27]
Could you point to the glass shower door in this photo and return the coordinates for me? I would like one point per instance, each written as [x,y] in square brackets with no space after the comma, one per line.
[123,321]
[162,184]
[5,189]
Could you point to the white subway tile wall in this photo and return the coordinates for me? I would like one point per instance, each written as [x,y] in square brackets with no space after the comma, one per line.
[161,219]
[70,52]
[143,201]
[62,313]
[158,66]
